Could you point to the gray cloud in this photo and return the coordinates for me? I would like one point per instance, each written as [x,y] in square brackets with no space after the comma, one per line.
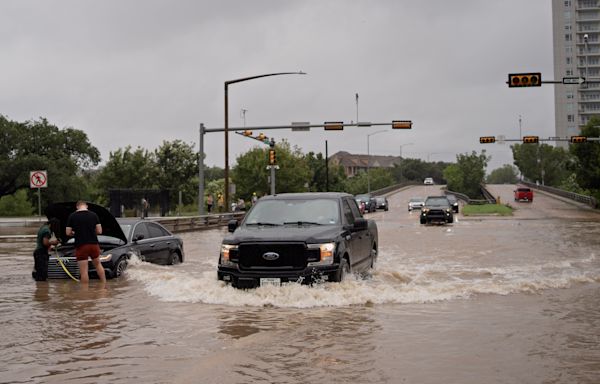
[140,72]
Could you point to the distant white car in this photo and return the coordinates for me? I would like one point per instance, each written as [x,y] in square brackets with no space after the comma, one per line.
[428,181]
[415,203]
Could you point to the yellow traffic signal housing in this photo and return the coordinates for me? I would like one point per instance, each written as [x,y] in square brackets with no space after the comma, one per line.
[531,139]
[525,79]
[401,124]
[272,158]
[578,139]
[247,132]
[333,125]
[487,139]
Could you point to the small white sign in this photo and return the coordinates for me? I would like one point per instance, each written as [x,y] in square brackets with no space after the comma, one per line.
[38,179]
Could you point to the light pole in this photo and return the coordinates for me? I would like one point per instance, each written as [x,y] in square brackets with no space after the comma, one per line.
[369,158]
[226,127]
[401,159]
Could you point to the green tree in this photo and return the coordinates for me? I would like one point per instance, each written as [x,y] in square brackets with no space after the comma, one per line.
[418,170]
[467,174]
[542,162]
[250,173]
[177,169]
[507,174]
[129,169]
[587,159]
[318,181]
[39,145]
[378,178]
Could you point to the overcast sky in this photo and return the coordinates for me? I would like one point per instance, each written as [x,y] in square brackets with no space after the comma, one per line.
[141,72]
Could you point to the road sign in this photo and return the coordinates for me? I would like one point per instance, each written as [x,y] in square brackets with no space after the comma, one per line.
[38,179]
[301,126]
[573,80]
[500,139]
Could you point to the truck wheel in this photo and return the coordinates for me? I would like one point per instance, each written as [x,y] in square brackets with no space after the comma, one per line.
[450,220]
[344,270]
[423,221]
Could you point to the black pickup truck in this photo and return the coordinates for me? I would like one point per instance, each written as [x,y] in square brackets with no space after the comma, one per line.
[299,237]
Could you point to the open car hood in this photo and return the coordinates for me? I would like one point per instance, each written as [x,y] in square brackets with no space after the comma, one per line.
[110,226]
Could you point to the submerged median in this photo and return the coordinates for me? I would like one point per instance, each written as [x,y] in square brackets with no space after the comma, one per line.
[487,210]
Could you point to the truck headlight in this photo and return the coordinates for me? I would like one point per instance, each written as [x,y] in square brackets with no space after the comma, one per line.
[326,252]
[225,251]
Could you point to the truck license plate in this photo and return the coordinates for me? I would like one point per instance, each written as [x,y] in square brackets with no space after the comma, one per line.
[270,281]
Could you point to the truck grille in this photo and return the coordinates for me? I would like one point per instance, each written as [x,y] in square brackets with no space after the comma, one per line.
[436,214]
[254,256]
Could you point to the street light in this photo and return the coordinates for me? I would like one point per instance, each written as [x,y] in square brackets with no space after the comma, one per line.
[226,128]
[401,159]
[369,158]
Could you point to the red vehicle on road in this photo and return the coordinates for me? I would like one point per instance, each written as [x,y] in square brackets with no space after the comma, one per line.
[523,194]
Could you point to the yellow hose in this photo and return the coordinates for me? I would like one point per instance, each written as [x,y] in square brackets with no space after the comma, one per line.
[63,266]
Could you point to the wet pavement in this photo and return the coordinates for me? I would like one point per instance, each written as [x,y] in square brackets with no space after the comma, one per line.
[482,300]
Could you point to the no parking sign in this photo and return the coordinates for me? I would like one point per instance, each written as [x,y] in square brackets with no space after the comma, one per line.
[38,179]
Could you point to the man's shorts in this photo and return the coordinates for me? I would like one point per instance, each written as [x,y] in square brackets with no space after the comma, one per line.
[84,251]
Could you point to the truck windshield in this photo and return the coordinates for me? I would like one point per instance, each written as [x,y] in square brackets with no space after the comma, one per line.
[280,211]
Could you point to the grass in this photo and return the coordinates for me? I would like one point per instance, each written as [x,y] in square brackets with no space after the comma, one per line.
[487,209]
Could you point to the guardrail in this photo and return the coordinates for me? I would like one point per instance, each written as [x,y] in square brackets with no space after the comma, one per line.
[489,198]
[589,200]
[487,194]
[194,223]
[392,188]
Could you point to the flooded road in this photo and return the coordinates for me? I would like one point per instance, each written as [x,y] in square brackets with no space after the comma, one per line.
[498,300]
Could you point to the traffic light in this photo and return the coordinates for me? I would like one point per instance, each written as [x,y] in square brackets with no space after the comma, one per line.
[333,125]
[487,139]
[272,158]
[531,139]
[578,139]
[247,132]
[525,79]
[401,124]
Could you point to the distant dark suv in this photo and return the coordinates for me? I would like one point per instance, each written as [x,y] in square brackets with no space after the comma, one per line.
[300,237]
[437,209]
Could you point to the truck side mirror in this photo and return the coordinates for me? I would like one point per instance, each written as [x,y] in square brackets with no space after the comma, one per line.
[360,224]
[232,225]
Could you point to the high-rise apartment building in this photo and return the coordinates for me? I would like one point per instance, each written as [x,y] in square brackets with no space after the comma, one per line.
[576,34]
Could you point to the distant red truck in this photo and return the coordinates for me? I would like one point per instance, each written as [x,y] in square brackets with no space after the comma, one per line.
[523,194]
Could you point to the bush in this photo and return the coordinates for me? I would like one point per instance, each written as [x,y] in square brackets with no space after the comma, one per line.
[16,204]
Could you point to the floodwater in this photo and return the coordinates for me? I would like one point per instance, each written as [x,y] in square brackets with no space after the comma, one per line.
[485,300]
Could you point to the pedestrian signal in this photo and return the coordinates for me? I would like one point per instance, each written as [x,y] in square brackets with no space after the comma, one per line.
[487,139]
[272,158]
[247,132]
[333,125]
[525,79]
[531,139]
[401,124]
[578,139]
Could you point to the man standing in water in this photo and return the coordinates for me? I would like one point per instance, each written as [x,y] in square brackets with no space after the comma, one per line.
[46,239]
[85,226]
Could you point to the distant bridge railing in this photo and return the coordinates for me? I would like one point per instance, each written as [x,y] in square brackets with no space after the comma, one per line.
[392,188]
[589,200]
[194,223]
[489,198]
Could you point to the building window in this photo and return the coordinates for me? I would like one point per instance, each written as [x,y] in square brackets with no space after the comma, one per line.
[567,3]
[567,27]
[568,60]
[569,50]
[570,95]
[567,15]
[571,118]
[569,72]
[568,37]
[570,107]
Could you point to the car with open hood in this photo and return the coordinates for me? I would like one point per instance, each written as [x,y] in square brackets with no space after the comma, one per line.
[121,238]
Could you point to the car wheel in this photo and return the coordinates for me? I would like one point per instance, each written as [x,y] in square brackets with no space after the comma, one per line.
[120,267]
[343,270]
[174,259]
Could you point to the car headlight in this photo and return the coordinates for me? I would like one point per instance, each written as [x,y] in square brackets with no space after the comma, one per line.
[326,252]
[225,252]
[106,257]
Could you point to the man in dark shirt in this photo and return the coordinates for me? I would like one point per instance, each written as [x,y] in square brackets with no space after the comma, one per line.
[46,239]
[85,226]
